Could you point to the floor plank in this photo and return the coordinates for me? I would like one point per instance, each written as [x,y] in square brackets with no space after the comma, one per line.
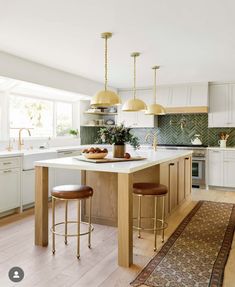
[98,266]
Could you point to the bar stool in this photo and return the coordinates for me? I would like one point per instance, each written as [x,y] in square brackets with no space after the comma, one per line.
[155,190]
[67,193]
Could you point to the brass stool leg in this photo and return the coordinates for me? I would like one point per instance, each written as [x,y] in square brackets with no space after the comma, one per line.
[163,217]
[155,223]
[78,231]
[139,217]
[66,222]
[53,225]
[89,221]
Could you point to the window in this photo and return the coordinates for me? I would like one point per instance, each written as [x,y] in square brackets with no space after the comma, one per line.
[63,118]
[44,118]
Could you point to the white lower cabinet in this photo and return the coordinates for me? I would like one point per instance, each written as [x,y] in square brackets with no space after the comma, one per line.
[9,189]
[229,168]
[28,185]
[221,168]
[66,176]
[215,168]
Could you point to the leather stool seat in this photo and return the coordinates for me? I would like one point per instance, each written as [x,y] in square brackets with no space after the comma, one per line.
[72,191]
[149,188]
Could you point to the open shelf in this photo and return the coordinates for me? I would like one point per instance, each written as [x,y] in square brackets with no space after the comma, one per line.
[100,113]
[98,126]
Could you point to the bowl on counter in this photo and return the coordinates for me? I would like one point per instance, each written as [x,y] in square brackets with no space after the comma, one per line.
[95,153]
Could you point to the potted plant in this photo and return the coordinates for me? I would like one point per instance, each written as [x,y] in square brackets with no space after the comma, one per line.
[74,132]
[117,136]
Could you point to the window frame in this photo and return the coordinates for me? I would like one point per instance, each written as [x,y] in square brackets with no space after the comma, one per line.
[54,122]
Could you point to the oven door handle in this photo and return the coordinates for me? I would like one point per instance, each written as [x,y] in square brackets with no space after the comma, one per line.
[198,158]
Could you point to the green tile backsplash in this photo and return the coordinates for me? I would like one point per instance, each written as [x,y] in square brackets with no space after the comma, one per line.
[174,129]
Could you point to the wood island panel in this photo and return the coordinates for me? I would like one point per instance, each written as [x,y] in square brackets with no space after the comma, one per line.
[176,175]
[104,201]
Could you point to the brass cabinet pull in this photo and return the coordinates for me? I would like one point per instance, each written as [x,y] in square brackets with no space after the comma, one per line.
[6,163]
[8,170]
[172,163]
[187,158]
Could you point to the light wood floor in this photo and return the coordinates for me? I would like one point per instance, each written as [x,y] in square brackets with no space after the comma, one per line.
[98,266]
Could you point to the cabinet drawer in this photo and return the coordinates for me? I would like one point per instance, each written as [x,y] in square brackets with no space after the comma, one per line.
[9,171]
[10,162]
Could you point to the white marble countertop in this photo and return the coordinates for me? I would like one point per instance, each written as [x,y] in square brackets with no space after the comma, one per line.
[13,153]
[152,158]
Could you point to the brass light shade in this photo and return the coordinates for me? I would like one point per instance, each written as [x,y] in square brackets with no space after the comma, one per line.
[105,98]
[155,109]
[134,105]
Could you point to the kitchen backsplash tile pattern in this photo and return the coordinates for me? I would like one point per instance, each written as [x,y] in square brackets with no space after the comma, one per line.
[174,129]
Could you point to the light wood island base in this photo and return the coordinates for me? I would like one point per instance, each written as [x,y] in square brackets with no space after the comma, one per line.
[113,202]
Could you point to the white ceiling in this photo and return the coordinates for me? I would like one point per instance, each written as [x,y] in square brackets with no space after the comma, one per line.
[193,40]
[16,87]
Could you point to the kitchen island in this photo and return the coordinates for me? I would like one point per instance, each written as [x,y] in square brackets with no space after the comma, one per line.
[112,184]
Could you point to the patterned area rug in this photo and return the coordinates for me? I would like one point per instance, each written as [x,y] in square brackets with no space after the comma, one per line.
[196,253]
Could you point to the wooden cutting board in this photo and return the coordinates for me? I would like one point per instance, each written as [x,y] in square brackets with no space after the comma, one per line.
[108,159]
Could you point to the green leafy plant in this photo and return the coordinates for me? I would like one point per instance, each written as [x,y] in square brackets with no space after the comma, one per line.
[118,135]
[74,132]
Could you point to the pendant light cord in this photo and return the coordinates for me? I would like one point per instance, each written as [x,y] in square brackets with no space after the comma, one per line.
[134,90]
[155,85]
[106,64]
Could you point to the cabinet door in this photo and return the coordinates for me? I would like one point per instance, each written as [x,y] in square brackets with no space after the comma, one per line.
[66,176]
[164,96]
[229,168]
[128,118]
[173,185]
[179,96]
[215,169]
[218,106]
[28,186]
[188,175]
[164,179]
[198,95]
[143,120]
[181,180]
[10,189]
[232,106]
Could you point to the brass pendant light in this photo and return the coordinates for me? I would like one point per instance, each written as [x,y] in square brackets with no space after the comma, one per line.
[134,105]
[155,109]
[105,98]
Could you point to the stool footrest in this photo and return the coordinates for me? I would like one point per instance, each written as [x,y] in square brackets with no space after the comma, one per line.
[165,225]
[71,235]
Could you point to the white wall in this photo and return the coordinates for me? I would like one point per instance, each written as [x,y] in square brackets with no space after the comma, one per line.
[21,69]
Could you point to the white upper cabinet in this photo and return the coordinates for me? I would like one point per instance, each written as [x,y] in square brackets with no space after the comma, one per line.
[232,105]
[198,95]
[222,105]
[164,95]
[179,96]
[184,98]
[135,119]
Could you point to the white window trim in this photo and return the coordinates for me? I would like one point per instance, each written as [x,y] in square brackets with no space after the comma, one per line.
[5,117]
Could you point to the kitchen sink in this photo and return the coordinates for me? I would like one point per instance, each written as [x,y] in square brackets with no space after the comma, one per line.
[35,155]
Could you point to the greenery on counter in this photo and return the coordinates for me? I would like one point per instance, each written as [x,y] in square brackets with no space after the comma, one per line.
[117,135]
